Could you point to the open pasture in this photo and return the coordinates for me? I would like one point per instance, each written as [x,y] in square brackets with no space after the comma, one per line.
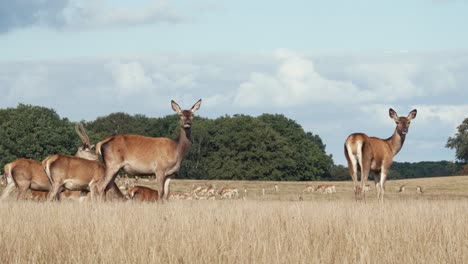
[276,227]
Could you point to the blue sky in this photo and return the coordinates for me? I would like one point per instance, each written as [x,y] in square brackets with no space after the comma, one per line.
[334,66]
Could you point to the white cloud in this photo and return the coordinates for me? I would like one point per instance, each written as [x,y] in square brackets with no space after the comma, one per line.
[130,78]
[86,14]
[96,14]
[296,82]
[452,115]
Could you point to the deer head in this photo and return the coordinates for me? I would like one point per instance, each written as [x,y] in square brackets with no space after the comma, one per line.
[402,123]
[85,151]
[186,116]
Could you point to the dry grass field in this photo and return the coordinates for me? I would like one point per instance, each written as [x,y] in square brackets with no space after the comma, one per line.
[278,227]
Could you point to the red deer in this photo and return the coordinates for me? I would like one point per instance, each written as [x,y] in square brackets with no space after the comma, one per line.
[144,156]
[80,172]
[228,193]
[28,174]
[366,154]
[143,194]
[42,195]
[326,189]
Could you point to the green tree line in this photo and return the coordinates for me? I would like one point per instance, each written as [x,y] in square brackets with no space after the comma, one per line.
[239,147]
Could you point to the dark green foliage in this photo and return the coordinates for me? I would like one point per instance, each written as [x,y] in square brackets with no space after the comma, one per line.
[460,142]
[34,132]
[269,147]
[407,170]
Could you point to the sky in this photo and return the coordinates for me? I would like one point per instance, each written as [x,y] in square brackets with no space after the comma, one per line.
[336,67]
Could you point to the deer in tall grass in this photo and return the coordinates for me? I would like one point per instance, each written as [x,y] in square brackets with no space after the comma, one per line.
[143,194]
[26,174]
[366,154]
[146,156]
[80,172]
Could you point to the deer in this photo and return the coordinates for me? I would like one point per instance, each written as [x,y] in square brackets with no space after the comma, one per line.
[26,174]
[147,156]
[80,172]
[143,194]
[371,154]
[401,189]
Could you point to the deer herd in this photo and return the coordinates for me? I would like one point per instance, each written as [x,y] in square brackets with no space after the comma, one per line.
[93,174]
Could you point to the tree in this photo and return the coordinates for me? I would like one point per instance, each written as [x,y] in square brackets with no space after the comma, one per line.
[34,132]
[460,142]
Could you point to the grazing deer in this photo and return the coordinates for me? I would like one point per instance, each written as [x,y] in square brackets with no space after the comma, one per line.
[80,172]
[366,154]
[326,189]
[309,189]
[401,189]
[228,193]
[140,155]
[143,194]
[419,189]
[28,174]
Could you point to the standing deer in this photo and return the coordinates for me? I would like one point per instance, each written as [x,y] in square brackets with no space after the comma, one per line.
[140,155]
[25,174]
[366,154]
[29,174]
[80,172]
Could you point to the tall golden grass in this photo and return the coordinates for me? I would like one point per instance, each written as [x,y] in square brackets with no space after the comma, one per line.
[275,228]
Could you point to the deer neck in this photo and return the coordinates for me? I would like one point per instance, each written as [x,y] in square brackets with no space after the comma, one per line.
[184,141]
[396,142]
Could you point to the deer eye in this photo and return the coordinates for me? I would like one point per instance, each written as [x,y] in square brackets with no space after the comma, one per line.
[397,123]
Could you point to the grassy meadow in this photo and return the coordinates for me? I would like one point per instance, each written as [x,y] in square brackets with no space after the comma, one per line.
[288,226]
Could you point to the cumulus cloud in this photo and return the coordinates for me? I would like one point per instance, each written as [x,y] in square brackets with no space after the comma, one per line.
[84,14]
[452,115]
[131,78]
[295,82]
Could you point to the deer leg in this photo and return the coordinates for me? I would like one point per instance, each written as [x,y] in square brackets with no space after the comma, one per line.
[22,188]
[377,185]
[352,167]
[383,178]
[365,170]
[55,190]
[104,185]
[161,181]
[166,188]
[8,189]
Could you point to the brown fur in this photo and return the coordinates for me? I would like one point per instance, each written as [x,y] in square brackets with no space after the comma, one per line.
[29,174]
[143,156]
[75,173]
[370,154]
[143,194]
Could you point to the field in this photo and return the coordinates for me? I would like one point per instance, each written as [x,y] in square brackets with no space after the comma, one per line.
[288,226]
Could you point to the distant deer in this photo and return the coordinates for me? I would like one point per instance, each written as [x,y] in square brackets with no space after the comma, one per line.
[80,172]
[401,189]
[366,154]
[140,155]
[419,189]
[276,188]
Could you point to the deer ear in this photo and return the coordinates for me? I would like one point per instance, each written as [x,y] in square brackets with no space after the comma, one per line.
[175,107]
[412,114]
[393,114]
[196,106]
